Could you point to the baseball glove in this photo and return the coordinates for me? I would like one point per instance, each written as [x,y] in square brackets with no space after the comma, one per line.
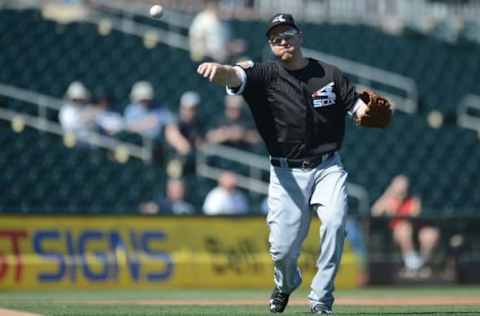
[378,113]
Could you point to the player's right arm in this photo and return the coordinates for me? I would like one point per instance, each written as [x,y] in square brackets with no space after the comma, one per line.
[223,75]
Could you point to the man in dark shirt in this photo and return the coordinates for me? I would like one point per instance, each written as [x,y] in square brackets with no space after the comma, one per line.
[299,106]
[234,129]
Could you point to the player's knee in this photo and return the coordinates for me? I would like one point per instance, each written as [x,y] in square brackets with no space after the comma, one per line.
[279,252]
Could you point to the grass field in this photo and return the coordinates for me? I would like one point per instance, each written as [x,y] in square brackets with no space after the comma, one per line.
[370,301]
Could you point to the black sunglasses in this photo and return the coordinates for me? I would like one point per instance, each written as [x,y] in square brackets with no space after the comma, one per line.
[280,37]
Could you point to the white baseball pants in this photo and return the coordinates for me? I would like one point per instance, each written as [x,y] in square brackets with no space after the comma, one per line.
[294,195]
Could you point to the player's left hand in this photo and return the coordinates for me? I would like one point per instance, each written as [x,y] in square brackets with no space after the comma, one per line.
[377,111]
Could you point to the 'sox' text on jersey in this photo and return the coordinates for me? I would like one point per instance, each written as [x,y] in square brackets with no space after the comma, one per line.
[324,96]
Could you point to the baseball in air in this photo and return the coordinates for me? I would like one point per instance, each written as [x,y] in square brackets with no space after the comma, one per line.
[156,11]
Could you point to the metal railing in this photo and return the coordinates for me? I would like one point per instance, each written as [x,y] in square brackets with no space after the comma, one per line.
[469,113]
[372,12]
[150,34]
[94,139]
[258,165]
[41,122]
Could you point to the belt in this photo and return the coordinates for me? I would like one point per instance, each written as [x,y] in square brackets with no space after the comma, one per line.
[308,163]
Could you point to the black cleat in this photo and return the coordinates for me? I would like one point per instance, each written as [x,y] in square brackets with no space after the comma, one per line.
[321,310]
[278,301]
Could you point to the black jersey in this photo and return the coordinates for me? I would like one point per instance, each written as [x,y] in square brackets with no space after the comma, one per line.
[299,114]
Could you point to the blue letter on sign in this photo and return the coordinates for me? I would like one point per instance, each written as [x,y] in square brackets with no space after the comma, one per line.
[86,236]
[147,238]
[38,239]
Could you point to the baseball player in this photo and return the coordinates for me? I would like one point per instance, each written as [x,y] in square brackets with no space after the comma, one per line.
[299,106]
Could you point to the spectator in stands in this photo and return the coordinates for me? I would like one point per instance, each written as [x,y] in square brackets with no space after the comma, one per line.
[190,127]
[143,116]
[107,121]
[173,204]
[210,37]
[188,122]
[397,203]
[77,115]
[225,199]
[234,129]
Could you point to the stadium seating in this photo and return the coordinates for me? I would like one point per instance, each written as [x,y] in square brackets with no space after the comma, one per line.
[44,176]
[41,175]
[441,163]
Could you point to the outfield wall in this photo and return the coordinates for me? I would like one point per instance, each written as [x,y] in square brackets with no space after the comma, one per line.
[146,252]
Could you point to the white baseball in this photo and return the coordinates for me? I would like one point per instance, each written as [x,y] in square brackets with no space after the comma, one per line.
[156,11]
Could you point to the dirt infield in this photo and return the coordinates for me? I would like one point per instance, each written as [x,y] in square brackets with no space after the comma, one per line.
[10,312]
[428,300]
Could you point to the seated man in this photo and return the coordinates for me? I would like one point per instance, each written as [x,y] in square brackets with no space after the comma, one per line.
[226,199]
[143,116]
[234,129]
[398,204]
[107,121]
[172,204]
[190,127]
[77,115]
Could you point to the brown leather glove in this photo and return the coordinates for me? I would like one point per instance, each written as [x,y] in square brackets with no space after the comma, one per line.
[378,113]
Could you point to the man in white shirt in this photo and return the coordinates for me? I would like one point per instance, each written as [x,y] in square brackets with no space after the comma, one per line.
[225,199]
[77,115]
[208,35]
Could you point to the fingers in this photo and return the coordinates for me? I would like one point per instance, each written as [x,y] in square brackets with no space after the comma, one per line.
[213,72]
[208,70]
[203,70]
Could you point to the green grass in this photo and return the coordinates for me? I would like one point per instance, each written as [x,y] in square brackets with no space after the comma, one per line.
[78,309]
[67,302]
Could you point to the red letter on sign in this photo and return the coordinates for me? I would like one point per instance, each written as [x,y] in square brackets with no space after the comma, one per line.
[14,236]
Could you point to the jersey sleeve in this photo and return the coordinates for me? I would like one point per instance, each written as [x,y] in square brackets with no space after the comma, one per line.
[346,91]
[256,77]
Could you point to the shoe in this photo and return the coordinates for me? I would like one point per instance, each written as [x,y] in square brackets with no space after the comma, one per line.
[278,301]
[321,310]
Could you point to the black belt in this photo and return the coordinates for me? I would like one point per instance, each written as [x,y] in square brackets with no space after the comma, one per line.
[309,163]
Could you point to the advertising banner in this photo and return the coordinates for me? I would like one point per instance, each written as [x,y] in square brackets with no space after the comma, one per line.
[146,252]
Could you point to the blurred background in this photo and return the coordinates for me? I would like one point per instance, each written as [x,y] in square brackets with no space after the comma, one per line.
[103,117]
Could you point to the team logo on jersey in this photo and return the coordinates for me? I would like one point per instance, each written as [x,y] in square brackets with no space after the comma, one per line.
[324,96]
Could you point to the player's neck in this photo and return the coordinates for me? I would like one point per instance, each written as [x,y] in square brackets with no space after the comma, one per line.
[296,63]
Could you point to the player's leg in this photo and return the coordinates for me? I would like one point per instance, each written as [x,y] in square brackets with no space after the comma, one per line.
[329,200]
[288,220]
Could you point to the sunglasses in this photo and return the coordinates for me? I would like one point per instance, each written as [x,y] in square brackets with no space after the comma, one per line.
[280,37]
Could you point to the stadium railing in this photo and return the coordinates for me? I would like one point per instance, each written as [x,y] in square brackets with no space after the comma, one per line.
[41,122]
[469,113]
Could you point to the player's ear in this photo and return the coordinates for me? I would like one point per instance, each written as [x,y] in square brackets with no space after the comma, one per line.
[300,38]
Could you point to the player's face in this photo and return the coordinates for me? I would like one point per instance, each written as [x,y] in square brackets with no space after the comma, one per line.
[285,42]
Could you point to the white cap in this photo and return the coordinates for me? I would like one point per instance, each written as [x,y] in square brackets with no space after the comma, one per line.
[76,90]
[141,90]
[190,99]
